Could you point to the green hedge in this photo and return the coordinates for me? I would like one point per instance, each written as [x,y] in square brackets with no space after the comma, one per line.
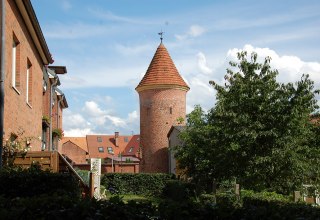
[34,182]
[258,208]
[139,184]
[63,207]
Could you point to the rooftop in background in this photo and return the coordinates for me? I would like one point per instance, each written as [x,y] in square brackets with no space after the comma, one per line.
[79,141]
[103,146]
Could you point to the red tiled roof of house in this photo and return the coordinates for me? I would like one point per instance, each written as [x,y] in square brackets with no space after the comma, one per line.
[162,73]
[79,141]
[124,144]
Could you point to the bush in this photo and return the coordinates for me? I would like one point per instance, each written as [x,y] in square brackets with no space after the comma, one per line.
[178,190]
[84,174]
[207,199]
[64,207]
[138,184]
[34,182]
[270,205]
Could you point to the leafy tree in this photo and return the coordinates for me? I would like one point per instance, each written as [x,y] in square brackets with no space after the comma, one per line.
[194,155]
[259,131]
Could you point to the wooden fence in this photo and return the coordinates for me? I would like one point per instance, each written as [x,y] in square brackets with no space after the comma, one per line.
[52,161]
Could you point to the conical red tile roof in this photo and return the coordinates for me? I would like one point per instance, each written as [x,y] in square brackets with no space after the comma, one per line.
[162,73]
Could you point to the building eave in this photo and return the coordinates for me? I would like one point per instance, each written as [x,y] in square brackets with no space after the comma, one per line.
[161,86]
[59,69]
[33,26]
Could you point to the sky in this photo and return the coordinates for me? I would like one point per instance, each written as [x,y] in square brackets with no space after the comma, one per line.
[107,46]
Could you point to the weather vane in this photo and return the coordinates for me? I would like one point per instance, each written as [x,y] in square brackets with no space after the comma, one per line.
[161,35]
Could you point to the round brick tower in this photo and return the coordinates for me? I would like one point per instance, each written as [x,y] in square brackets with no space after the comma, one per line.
[162,94]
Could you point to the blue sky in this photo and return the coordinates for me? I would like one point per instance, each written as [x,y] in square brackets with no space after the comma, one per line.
[107,46]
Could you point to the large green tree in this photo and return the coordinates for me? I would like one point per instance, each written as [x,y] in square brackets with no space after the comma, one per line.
[259,131]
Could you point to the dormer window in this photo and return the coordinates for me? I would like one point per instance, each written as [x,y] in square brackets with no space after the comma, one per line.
[110,150]
[100,149]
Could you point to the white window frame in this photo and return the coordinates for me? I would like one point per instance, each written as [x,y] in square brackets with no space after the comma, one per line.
[14,63]
[27,87]
[110,150]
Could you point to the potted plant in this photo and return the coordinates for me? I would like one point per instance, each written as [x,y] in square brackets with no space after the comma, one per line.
[57,132]
[45,121]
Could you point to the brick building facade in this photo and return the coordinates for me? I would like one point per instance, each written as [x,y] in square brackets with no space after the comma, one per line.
[26,57]
[162,94]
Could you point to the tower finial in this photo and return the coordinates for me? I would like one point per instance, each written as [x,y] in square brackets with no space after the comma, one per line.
[161,35]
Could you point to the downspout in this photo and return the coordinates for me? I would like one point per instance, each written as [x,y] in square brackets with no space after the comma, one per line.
[2,76]
[51,101]
[58,106]
[62,97]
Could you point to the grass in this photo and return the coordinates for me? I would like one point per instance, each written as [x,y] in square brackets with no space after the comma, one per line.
[138,198]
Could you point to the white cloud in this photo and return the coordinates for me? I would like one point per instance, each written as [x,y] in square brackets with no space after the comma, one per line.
[194,31]
[93,120]
[116,121]
[93,109]
[116,77]
[133,116]
[202,63]
[290,67]
[77,132]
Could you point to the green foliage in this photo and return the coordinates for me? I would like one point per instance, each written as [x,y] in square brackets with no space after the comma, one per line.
[259,131]
[84,174]
[15,146]
[34,182]
[178,190]
[64,206]
[207,199]
[46,119]
[140,183]
[259,208]
[194,155]
[57,132]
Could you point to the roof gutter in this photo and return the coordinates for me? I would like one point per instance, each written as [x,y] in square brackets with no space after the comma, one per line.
[2,75]
[32,23]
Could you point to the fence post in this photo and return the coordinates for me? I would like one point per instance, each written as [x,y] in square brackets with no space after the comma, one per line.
[237,190]
[91,185]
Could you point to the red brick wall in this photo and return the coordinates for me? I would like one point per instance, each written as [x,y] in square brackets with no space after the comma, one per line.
[155,123]
[75,153]
[19,117]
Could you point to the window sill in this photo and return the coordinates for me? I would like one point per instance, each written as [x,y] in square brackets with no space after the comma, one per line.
[15,89]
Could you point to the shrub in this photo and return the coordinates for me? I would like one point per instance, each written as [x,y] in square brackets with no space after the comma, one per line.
[207,199]
[84,174]
[34,182]
[139,184]
[178,190]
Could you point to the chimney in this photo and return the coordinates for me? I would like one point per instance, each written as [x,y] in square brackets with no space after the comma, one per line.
[116,138]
